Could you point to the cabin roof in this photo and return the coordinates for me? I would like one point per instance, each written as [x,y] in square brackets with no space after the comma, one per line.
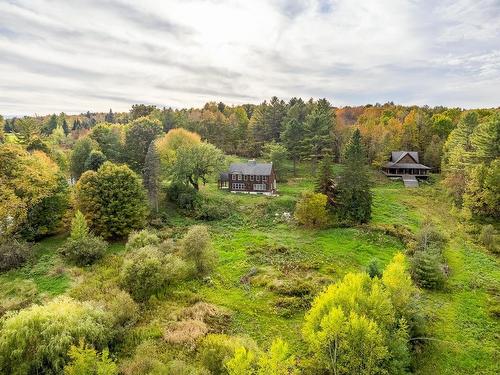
[251,168]
[397,156]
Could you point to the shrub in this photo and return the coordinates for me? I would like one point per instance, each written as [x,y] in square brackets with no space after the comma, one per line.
[184,196]
[136,240]
[197,247]
[311,210]
[217,318]
[215,349]
[82,248]
[14,254]
[37,339]
[112,199]
[146,360]
[84,251]
[17,295]
[212,208]
[374,269]
[426,269]
[429,238]
[185,332]
[87,361]
[146,271]
[488,238]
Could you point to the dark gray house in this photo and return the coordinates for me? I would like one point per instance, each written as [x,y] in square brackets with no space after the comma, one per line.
[250,177]
[406,165]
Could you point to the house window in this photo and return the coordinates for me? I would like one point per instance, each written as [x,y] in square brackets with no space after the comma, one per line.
[257,178]
[264,178]
[259,187]
[238,186]
[239,177]
[245,177]
[251,178]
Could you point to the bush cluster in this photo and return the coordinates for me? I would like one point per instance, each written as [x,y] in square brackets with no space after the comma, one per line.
[82,248]
[427,263]
[14,254]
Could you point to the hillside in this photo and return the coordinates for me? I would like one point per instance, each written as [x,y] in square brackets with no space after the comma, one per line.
[265,263]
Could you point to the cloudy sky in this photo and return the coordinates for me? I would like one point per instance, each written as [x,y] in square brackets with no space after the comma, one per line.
[79,55]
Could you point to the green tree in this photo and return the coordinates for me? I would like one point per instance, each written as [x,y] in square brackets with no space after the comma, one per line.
[112,199]
[355,197]
[194,163]
[197,247]
[26,128]
[151,174]
[86,360]
[325,183]
[79,227]
[109,138]
[110,117]
[311,210]
[94,161]
[276,154]
[141,110]
[37,339]
[138,136]
[292,139]
[81,152]
[318,135]
[50,125]
[353,328]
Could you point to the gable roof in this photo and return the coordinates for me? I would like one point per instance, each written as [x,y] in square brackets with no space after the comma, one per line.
[251,167]
[398,155]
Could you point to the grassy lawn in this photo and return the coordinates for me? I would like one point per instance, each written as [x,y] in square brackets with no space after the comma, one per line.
[260,256]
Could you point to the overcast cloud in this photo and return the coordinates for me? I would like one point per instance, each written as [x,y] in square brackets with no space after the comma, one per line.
[80,55]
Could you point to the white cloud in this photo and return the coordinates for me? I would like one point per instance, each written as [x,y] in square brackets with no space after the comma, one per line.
[81,55]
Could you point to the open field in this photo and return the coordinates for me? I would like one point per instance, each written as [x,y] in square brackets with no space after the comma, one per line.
[269,270]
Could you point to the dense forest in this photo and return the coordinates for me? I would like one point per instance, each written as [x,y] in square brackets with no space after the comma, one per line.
[118,254]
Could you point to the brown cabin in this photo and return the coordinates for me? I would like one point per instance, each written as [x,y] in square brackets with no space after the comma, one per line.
[250,177]
[406,165]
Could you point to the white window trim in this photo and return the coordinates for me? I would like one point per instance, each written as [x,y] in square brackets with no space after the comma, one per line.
[264,178]
[251,178]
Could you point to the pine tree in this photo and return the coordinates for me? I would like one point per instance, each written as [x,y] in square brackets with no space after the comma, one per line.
[65,127]
[79,227]
[292,138]
[325,183]
[110,117]
[355,198]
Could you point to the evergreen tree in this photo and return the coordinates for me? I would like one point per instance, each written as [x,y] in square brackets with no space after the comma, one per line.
[110,117]
[318,135]
[65,127]
[292,138]
[50,125]
[325,183]
[355,198]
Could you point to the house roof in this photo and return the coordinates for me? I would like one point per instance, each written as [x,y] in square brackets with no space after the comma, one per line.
[251,167]
[406,165]
[224,176]
[398,155]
